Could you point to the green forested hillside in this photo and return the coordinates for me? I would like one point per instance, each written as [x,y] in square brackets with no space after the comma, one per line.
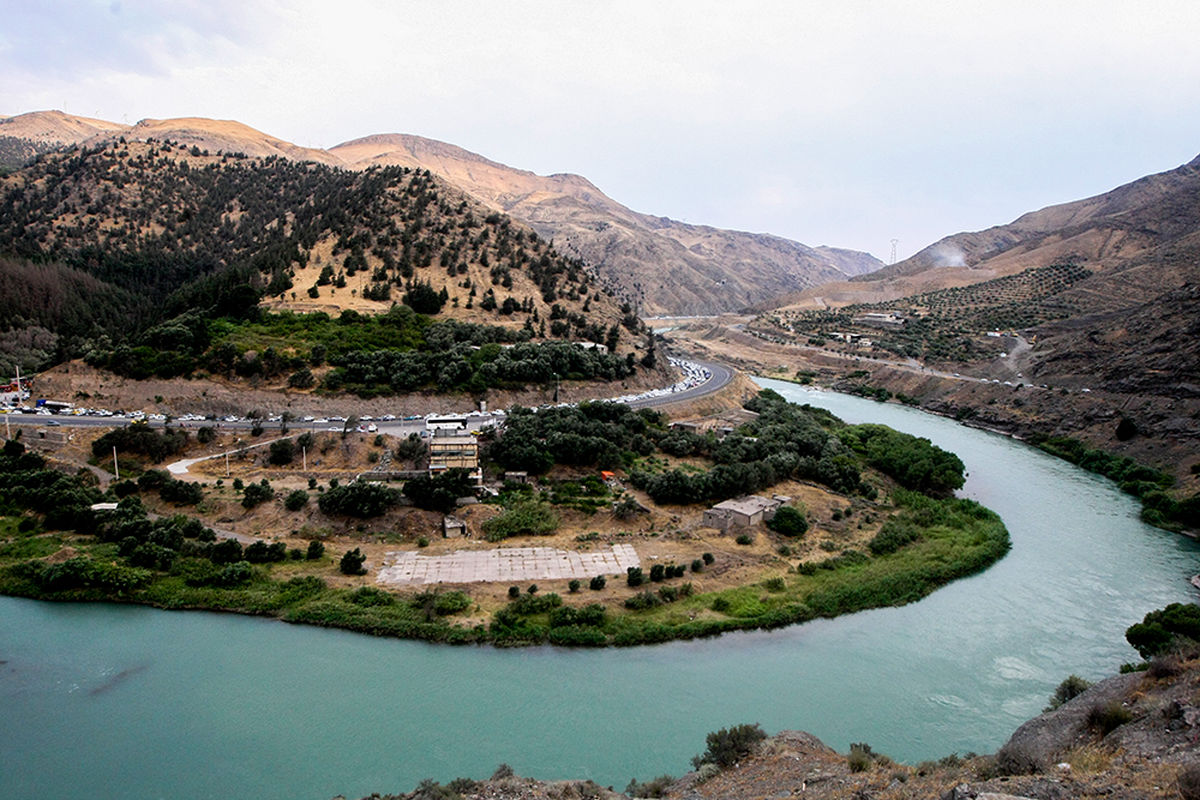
[122,238]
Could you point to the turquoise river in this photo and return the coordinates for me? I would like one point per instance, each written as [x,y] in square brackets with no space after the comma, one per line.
[102,701]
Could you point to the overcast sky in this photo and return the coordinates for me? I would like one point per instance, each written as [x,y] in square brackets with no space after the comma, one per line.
[842,122]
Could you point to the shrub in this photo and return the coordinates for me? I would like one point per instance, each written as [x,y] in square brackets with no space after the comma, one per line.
[592,615]
[658,573]
[256,494]
[229,576]
[370,596]
[282,452]
[698,565]
[226,551]
[296,500]
[597,583]
[745,539]
[634,576]
[514,592]
[352,563]
[1071,687]
[260,552]
[361,499]
[1104,718]
[439,492]
[573,586]
[708,559]
[523,518]
[729,745]
[655,787]
[423,541]
[643,600]
[453,602]
[181,493]
[789,521]
[860,757]
[1161,630]
[316,550]
[894,534]
[140,439]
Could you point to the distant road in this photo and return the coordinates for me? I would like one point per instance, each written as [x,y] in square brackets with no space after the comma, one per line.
[720,376]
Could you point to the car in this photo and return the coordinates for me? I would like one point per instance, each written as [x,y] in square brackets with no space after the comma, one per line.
[372,428]
[53,423]
[337,428]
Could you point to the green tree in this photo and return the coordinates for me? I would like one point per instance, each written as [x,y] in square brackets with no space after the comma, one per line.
[729,745]
[282,452]
[296,500]
[1161,630]
[439,492]
[361,499]
[352,562]
[257,493]
[789,521]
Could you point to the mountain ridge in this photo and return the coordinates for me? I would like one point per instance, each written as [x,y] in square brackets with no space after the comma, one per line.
[710,269]
[663,266]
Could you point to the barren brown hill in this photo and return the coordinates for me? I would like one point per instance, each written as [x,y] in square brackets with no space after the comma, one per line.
[226,135]
[665,266]
[661,265]
[1150,221]
[55,127]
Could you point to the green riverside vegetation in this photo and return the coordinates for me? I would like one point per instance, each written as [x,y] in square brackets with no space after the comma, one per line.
[1148,484]
[928,538]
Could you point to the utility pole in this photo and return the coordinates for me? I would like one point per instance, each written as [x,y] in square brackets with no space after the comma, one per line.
[116,465]
[304,455]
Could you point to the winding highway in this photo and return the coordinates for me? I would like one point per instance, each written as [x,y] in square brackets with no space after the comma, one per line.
[700,379]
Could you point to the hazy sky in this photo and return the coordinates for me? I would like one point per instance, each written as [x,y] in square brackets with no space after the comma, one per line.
[842,122]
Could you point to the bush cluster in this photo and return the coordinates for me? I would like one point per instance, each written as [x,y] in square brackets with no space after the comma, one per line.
[361,499]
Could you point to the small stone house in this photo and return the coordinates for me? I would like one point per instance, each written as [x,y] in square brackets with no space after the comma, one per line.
[742,512]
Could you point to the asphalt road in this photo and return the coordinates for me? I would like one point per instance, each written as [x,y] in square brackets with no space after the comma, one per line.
[719,377]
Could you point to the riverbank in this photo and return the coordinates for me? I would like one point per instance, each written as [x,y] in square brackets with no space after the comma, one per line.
[960,670]
[950,539]
[867,544]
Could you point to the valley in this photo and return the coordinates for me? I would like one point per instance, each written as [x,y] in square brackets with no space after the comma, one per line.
[297,324]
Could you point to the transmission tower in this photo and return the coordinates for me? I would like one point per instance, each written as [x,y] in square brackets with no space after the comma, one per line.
[894,243]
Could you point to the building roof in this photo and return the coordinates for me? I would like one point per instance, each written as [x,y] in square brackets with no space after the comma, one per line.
[749,505]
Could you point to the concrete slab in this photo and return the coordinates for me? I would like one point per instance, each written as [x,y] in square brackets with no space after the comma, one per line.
[505,565]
